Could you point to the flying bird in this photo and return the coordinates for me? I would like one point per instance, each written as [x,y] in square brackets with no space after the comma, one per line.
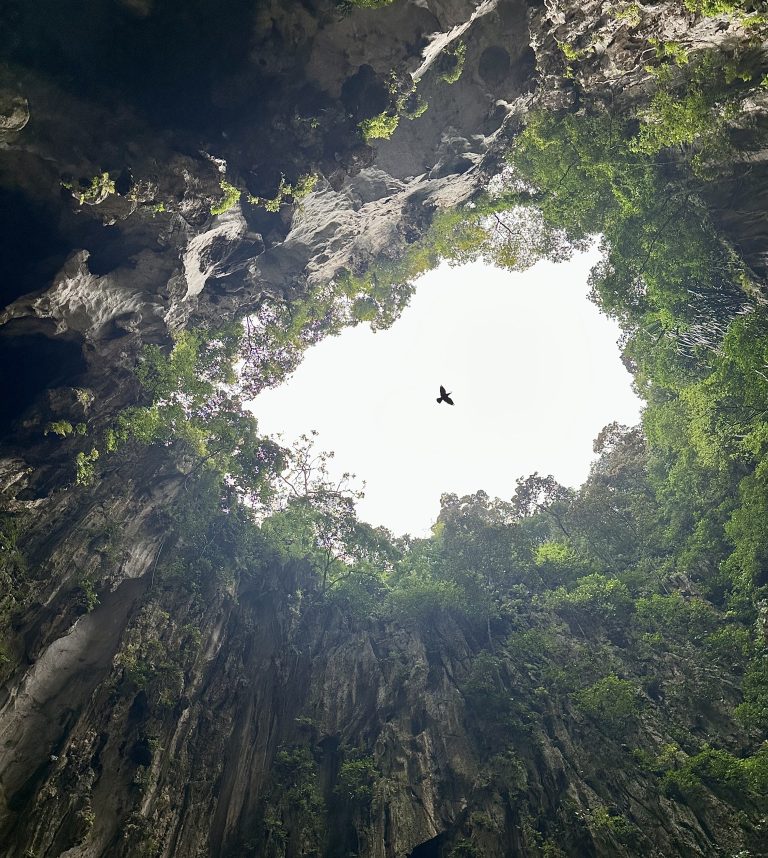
[444,397]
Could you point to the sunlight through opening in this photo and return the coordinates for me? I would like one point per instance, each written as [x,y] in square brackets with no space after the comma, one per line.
[533,367]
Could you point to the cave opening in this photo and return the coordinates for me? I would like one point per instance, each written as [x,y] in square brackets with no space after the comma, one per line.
[364,94]
[494,64]
[32,363]
[32,249]
[520,352]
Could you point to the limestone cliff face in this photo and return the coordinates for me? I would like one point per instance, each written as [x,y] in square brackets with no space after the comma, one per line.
[192,716]
[183,719]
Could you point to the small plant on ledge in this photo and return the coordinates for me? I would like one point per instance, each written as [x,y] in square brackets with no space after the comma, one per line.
[304,186]
[230,199]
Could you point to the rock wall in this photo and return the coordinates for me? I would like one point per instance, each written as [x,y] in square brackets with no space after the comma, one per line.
[184,719]
[154,721]
[269,91]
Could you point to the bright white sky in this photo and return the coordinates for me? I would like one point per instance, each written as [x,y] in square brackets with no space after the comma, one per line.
[533,368]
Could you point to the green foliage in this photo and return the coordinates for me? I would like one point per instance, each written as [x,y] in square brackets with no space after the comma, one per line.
[730,644]
[95,192]
[304,186]
[708,439]
[315,520]
[755,769]
[594,598]
[686,501]
[630,14]
[530,647]
[711,8]
[702,495]
[464,848]
[733,779]
[86,467]
[484,688]
[560,563]
[292,814]
[296,772]
[753,712]
[589,180]
[675,617]
[535,843]
[505,772]
[84,396]
[474,551]
[612,519]
[612,702]
[694,106]
[87,587]
[147,663]
[218,543]
[229,200]
[138,831]
[154,655]
[495,710]
[416,600]
[62,428]
[603,821]
[669,757]
[414,107]
[573,54]
[197,408]
[455,58]
[555,554]
[357,777]
[361,595]
[404,100]
[672,51]
[380,127]
[673,121]
[746,564]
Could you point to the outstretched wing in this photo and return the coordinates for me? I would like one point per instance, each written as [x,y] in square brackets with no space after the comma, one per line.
[448,400]
[443,394]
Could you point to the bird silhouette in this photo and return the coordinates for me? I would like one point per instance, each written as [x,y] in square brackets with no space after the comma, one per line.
[444,397]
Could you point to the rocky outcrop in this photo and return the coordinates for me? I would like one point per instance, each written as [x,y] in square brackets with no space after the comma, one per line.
[121,174]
